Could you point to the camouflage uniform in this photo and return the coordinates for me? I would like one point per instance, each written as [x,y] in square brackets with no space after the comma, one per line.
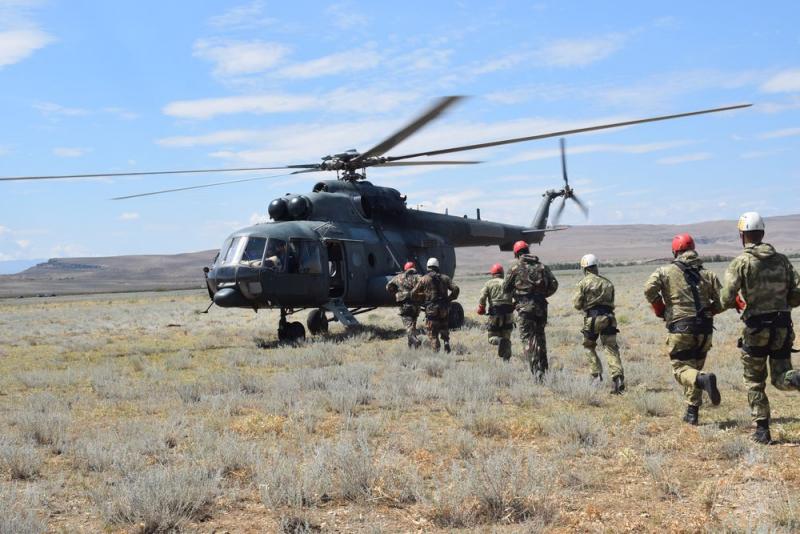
[770,286]
[531,283]
[594,295]
[401,286]
[433,288]
[500,309]
[689,319]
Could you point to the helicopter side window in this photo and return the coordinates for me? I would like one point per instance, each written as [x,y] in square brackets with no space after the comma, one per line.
[275,257]
[304,257]
[230,252]
[254,251]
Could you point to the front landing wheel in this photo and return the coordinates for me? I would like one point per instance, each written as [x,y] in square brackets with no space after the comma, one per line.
[292,332]
[317,322]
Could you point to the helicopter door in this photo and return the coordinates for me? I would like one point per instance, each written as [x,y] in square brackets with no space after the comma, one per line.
[337,269]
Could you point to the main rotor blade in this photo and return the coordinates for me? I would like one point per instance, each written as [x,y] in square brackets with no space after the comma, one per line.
[213,185]
[406,131]
[581,205]
[560,210]
[410,163]
[564,161]
[147,173]
[566,132]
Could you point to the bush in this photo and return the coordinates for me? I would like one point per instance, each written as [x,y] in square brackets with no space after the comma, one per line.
[22,459]
[18,514]
[651,404]
[44,428]
[160,499]
[577,430]
[654,464]
[575,387]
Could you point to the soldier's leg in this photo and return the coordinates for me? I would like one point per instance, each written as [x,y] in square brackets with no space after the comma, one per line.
[408,324]
[755,380]
[781,373]
[525,335]
[593,362]
[613,359]
[538,350]
[684,365]
[504,349]
[433,333]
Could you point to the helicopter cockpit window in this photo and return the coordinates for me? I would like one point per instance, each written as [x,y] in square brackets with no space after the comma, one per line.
[253,251]
[275,257]
[304,257]
[230,250]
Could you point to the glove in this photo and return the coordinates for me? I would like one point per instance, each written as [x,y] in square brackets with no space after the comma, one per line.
[481,309]
[658,308]
[740,304]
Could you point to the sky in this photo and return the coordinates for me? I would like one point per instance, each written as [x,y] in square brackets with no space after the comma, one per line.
[90,86]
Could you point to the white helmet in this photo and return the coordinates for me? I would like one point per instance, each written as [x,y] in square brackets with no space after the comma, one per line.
[432,262]
[589,260]
[751,221]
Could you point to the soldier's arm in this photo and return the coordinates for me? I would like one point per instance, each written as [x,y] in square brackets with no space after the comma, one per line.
[732,285]
[794,286]
[552,282]
[454,289]
[652,292]
[577,297]
[418,293]
[508,281]
[484,295]
[391,287]
[716,286]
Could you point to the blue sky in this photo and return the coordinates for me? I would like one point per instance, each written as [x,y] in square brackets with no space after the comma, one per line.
[90,86]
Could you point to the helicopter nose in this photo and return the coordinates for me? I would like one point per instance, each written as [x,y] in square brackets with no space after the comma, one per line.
[229,297]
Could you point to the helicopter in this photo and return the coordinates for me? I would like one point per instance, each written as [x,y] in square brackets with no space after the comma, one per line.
[333,250]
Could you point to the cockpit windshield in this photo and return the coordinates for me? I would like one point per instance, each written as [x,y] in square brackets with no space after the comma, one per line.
[253,251]
[275,257]
[230,251]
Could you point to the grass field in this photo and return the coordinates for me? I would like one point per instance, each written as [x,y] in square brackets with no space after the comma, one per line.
[134,412]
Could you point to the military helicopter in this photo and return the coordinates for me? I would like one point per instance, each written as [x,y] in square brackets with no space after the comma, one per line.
[334,249]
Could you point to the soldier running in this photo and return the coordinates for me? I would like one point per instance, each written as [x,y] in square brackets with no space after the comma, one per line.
[763,285]
[438,291]
[495,301]
[531,283]
[400,287]
[594,295]
[686,296]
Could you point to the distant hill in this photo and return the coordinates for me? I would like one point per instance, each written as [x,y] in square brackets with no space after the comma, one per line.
[611,243]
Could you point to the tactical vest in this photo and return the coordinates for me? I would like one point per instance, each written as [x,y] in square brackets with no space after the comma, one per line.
[702,323]
[530,278]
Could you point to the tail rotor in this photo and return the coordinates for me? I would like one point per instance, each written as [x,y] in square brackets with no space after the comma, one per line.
[567,192]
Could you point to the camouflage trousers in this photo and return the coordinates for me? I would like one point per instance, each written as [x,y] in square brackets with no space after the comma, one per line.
[687,354]
[409,315]
[773,355]
[437,322]
[499,328]
[534,343]
[603,328]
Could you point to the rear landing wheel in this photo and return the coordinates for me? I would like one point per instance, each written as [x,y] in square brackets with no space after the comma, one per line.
[317,322]
[292,332]
[456,318]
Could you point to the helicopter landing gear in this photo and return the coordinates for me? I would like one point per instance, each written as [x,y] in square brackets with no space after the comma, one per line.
[456,318]
[290,332]
[317,322]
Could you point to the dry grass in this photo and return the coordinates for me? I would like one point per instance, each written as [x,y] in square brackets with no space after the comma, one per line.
[116,422]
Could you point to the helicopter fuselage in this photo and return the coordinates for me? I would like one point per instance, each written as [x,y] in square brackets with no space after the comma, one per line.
[344,240]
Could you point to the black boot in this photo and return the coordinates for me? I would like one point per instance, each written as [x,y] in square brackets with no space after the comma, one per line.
[597,377]
[619,385]
[762,435]
[795,380]
[447,347]
[708,382]
[692,414]
[504,349]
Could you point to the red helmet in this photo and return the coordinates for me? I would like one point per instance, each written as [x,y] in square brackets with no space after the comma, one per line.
[519,246]
[496,269]
[682,243]
[409,265]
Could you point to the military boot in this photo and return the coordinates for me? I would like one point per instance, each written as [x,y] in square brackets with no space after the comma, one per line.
[794,380]
[504,349]
[619,385]
[708,382]
[597,377]
[447,347]
[762,435]
[692,415]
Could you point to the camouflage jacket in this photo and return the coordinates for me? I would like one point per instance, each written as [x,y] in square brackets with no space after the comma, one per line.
[528,276]
[402,285]
[434,287]
[669,283]
[493,294]
[593,290]
[766,279]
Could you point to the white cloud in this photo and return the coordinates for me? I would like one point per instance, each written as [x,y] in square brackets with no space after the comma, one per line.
[341,100]
[66,250]
[224,137]
[232,58]
[129,216]
[787,81]
[245,16]
[51,108]
[70,152]
[121,113]
[754,154]
[4,230]
[258,218]
[18,44]
[345,16]
[643,148]
[776,107]
[675,160]
[786,132]
[23,243]
[580,52]
[338,63]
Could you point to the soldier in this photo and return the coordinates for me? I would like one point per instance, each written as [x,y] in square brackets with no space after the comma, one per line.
[686,297]
[763,285]
[434,288]
[400,287]
[531,283]
[500,322]
[594,295]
